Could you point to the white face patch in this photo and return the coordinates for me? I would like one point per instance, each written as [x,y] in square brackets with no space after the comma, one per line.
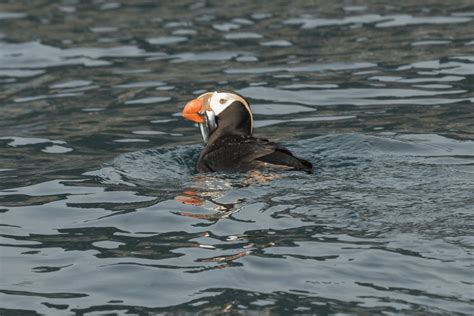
[220,101]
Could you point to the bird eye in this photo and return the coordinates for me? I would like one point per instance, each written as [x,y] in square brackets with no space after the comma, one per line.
[222,101]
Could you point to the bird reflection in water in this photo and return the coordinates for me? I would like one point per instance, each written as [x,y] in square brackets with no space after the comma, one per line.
[204,193]
[205,190]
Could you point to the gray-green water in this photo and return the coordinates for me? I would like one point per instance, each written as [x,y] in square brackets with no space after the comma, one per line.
[95,159]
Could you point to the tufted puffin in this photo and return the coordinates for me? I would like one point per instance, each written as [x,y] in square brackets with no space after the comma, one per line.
[226,124]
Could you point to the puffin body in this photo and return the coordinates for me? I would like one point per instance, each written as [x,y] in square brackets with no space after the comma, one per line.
[226,124]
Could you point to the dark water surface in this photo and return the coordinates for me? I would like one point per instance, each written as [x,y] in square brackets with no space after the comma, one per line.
[102,213]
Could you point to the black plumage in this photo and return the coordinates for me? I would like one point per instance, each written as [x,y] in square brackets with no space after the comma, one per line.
[232,148]
[238,153]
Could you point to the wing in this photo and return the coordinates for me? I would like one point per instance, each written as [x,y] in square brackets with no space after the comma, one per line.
[284,158]
[235,153]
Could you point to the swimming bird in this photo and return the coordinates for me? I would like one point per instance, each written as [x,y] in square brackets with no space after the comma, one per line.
[226,122]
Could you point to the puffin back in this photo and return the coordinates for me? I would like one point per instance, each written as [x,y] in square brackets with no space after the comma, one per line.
[236,153]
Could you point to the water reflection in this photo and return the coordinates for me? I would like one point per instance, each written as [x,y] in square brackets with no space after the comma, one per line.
[378,20]
[33,55]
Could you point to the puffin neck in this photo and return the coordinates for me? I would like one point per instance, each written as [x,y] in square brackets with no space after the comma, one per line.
[235,120]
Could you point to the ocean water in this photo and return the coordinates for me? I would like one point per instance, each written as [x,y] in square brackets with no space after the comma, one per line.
[102,212]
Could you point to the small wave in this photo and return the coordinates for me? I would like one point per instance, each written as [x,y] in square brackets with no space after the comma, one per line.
[172,166]
[175,166]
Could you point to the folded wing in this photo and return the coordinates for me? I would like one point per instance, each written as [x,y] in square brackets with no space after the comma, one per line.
[244,153]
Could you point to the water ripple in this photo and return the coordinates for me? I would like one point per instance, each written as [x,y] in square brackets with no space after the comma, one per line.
[361,97]
[32,55]
[101,208]
[378,20]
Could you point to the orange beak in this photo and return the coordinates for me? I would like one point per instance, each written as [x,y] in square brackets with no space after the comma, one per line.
[192,111]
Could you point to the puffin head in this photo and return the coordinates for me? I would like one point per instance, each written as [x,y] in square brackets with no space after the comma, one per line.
[220,114]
